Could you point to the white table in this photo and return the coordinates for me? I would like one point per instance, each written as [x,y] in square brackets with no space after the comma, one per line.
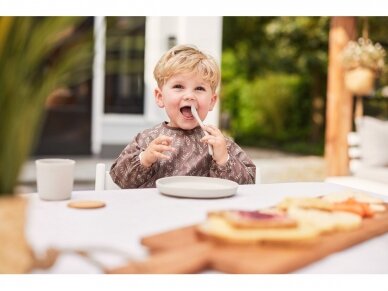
[132,214]
[360,184]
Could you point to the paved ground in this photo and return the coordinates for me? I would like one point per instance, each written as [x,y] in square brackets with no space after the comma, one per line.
[273,167]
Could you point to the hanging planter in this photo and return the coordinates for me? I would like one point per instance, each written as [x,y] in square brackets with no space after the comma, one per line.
[360,81]
[362,61]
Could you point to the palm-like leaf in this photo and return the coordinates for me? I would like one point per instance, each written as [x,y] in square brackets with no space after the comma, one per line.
[28,74]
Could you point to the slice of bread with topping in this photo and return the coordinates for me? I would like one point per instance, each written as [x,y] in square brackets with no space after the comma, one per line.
[358,196]
[267,218]
[324,221]
[357,202]
[305,202]
[218,228]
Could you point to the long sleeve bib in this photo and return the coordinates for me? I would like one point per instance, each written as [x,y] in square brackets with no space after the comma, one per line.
[191,158]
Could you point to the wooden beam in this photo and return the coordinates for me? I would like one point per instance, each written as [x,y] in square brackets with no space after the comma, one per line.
[339,103]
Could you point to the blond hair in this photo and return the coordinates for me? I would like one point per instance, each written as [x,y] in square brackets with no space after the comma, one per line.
[184,59]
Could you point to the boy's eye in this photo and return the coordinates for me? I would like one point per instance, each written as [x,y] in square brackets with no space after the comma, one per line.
[200,88]
[177,86]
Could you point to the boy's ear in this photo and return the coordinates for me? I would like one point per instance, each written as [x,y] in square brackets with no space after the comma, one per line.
[213,101]
[159,97]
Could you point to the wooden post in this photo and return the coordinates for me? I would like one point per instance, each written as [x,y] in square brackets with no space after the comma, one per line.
[359,108]
[339,100]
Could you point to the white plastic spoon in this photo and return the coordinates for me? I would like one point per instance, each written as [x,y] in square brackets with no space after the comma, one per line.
[196,116]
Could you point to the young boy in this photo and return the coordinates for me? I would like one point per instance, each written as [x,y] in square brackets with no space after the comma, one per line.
[185,77]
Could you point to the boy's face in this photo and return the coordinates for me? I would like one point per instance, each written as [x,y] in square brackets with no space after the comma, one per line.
[179,93]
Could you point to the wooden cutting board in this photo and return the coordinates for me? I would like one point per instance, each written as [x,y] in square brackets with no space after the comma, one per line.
[184,251]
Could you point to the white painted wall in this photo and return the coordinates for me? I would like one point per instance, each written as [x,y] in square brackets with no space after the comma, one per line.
[203,32]
[98,83]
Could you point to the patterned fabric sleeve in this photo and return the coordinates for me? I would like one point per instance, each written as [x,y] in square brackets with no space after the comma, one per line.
[127,171]
[238,168]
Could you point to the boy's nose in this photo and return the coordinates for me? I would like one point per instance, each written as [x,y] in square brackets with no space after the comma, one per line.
[189,98]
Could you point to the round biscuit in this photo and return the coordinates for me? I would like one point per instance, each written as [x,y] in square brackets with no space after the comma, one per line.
[86,204]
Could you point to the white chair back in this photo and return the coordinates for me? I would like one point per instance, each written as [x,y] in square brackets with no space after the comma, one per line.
[103,180]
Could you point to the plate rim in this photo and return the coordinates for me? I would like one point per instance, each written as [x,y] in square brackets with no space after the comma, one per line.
[213,193]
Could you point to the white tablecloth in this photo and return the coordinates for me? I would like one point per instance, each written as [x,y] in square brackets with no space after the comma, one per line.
[132,214]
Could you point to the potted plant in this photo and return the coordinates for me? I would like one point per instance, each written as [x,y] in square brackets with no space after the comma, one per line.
[363,61]
[37,56]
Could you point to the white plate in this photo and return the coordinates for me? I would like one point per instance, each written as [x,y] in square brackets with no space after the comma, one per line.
[196,187]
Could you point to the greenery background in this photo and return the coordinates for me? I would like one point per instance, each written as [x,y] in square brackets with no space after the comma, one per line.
[274,78]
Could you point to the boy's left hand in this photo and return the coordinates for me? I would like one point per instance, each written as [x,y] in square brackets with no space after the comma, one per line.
[217,140]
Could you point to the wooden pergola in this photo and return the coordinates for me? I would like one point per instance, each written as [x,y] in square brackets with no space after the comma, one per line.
[339,110]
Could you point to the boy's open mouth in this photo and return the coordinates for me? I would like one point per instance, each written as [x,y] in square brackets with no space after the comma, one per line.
[186,111]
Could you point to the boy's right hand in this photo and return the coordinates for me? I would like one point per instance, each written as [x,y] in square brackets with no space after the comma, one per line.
[156,149]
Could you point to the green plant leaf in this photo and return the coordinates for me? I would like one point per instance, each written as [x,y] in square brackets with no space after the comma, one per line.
[37,56]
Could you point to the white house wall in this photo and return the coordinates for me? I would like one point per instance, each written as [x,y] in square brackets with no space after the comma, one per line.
[98,83]
[204,32]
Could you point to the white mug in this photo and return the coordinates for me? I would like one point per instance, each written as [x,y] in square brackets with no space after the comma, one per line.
[55,178]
